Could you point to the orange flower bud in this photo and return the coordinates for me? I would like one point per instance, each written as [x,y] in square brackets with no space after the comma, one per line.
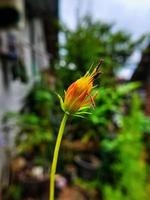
[78,94]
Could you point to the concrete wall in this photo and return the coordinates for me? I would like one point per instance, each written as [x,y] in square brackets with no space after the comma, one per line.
[31,44]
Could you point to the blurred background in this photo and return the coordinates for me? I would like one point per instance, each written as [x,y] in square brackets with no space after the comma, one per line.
[44,47]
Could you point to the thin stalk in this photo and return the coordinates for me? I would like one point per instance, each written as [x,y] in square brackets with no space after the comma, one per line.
[55,156]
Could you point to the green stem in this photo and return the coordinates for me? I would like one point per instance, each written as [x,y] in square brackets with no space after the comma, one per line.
[55,156]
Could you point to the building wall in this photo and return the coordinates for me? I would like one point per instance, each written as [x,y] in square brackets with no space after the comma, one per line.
[31,48]
[35,58]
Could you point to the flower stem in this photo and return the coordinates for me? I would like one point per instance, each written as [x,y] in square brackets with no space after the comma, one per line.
[55,156]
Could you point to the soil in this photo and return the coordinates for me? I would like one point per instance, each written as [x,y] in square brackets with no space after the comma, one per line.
[71,193]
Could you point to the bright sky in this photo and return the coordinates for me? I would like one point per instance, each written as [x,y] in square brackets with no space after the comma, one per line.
[130,15]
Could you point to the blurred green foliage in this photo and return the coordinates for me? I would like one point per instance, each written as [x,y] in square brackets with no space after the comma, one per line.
[14,192]
[34,131]
[109,101]
[131,167]
[92,40]
[118,122]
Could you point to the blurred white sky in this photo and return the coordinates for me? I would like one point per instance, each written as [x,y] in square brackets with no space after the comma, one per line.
[130,15]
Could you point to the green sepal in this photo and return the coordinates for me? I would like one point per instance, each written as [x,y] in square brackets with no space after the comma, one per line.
[84,108]
[77,115]
[61,102]
[83,112]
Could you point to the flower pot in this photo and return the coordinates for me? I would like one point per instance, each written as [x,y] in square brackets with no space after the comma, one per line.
[34,187]
[87,166]
[78,145]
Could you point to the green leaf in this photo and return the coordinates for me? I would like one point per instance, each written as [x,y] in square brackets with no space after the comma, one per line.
[124,89]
